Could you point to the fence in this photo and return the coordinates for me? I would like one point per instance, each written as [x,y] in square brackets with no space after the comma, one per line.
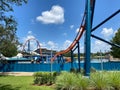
[55,67]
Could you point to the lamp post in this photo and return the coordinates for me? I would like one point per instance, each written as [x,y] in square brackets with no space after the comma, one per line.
[51,62]
[101,60]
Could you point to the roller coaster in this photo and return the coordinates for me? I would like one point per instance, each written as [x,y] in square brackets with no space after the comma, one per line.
[28,43]
[85,27]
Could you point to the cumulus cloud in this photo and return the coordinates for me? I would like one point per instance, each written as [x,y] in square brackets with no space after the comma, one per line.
[53,16]
[107,32]
[99,45]
[29,32]
[66,44]
[52,45]
[81,48]
[29,36]
[71,26]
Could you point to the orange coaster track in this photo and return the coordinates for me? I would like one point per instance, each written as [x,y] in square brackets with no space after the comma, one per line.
[78,36]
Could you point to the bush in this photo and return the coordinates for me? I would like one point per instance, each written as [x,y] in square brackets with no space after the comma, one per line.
[114,80]
[47,78]
[100,81]
[66,81]
[71,81]
[81,83]
[76,81]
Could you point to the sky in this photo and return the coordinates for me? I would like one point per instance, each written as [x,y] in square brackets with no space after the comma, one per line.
[55,23]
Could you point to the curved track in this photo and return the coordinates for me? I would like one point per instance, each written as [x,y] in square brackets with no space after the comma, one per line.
[28,41]
[78,36]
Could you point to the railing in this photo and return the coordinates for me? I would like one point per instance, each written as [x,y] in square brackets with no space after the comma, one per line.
[55,67]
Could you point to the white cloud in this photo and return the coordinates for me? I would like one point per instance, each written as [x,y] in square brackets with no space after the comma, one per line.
[77,30]
[52,45]
[71,26]
[54,16]
[99,45]
[81,49]
[43,45]
[107,32]
[29,36]
[66,44]
[29,32]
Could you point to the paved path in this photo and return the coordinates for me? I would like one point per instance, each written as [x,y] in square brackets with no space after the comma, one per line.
[17,73]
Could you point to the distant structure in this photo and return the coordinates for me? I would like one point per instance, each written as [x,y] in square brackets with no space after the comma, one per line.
[46,51]
[27,43]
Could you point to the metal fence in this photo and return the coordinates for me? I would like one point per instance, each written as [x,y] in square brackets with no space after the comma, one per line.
[55,67]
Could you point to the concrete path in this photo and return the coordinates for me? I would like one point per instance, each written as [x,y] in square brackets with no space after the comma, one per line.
[17,73]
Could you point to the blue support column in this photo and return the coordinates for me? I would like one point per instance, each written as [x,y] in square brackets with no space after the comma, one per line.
[29,46]
[71,59]
[87,39]
[78,56]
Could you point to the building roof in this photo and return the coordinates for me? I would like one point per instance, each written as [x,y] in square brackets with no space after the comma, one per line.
[18,59]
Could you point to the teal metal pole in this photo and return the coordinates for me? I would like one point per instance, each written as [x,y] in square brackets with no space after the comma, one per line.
[87,39]
[78,56]
[71,59]
[29,46]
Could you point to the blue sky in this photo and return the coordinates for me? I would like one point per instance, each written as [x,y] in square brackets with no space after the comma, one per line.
[54,23]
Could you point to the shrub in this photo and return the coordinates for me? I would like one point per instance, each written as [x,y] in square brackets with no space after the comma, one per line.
[115,80]
[81,83]
[66,81]
[44,78]
[71,81]
[100,81]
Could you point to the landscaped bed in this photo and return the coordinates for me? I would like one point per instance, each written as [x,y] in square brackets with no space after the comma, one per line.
[62,81]
[76,81]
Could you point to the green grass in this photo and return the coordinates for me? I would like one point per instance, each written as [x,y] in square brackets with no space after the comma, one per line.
[20,83]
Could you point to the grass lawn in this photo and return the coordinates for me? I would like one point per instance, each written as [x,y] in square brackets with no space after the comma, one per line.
[20,83]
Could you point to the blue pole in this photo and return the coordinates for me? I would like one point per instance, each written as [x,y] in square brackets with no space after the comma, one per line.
[87,39]
[29,46]
[78,56]
[71,59]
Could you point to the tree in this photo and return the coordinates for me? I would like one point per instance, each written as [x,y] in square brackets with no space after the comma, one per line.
[8,27]
[115,51]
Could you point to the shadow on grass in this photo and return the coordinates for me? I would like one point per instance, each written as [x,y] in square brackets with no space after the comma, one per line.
[8,87]
[3,75]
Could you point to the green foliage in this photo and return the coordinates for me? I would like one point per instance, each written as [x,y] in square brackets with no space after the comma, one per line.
[66,81]
[100,81]
[8,27]
[115,51]
[67,54]
[114,80]
[71,81]
[8,48]
[47,78]
[82,83]
[6,5]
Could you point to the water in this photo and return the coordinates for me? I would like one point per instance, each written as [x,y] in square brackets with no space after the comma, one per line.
[95,60]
